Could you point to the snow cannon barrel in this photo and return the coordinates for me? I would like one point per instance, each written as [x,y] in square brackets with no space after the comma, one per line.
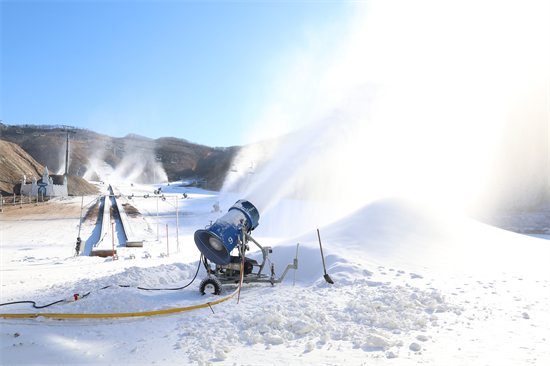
[217,242]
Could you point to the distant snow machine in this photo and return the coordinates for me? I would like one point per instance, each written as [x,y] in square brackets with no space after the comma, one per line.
[217,241]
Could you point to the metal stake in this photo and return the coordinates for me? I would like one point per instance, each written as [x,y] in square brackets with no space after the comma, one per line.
[81,206]
[157,218]
[297,247]
[177,225]
[167,245]
[113,235]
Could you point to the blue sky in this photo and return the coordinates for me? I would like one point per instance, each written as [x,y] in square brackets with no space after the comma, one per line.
[195,70]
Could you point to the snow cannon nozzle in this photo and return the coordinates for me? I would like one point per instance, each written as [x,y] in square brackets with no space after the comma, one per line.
[218,240]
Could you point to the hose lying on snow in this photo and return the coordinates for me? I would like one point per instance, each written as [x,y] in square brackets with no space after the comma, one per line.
[76,297]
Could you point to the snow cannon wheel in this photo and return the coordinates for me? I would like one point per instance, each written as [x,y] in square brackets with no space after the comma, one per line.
[248,267]
[210,285]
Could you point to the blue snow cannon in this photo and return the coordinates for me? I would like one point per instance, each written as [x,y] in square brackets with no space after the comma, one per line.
[217,241]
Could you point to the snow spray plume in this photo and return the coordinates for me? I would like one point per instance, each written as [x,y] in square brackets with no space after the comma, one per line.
[99,154]
[133,161]
[520,176]
[139,164]
[412,106]
[61,160]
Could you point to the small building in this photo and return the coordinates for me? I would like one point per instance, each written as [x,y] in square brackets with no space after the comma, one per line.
[46,186]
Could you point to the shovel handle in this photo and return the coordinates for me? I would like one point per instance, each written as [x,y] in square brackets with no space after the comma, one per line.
[322,256]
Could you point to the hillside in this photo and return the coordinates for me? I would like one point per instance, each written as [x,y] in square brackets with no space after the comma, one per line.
[15,162]
[144,160]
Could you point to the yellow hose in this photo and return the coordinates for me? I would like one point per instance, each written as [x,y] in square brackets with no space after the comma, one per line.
[118,315]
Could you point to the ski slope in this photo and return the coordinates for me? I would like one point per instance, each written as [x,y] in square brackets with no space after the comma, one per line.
[412,285]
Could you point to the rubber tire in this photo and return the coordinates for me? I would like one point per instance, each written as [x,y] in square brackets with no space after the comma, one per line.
[212,283]
[248,267]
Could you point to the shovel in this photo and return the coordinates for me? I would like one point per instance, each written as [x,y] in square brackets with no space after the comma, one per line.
[326,276]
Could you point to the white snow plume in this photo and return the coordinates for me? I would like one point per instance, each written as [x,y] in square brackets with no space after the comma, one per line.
[93,169]
[139,164]
[248,165]
[96,161]
[412,105]
[133,162]
[61,156]
[520,179]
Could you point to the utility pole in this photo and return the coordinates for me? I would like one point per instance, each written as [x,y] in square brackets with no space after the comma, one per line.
[69,130]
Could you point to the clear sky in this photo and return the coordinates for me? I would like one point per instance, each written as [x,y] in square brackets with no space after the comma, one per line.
[199,70]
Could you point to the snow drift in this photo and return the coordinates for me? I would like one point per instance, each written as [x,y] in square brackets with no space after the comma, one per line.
[412,236]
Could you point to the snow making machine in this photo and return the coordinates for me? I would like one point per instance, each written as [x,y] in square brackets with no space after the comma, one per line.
[231,233]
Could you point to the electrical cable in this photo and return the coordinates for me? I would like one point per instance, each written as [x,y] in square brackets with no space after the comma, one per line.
[103,288]
[168,289]
[44,306]
[205,262]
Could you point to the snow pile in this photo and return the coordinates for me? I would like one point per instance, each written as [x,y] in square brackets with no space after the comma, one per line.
[411,237]
[119,293]
[380,318]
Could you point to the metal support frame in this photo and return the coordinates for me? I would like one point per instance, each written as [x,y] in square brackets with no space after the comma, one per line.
[229,277]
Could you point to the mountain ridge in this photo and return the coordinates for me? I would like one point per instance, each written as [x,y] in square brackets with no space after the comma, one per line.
[139,156]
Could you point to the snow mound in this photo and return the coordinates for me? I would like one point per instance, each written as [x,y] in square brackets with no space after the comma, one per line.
[119,293]
[407,235]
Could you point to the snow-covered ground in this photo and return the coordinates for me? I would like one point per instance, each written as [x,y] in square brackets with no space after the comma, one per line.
[412,285]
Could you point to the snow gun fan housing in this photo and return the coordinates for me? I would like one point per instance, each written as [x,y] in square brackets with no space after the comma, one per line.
[218,240]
